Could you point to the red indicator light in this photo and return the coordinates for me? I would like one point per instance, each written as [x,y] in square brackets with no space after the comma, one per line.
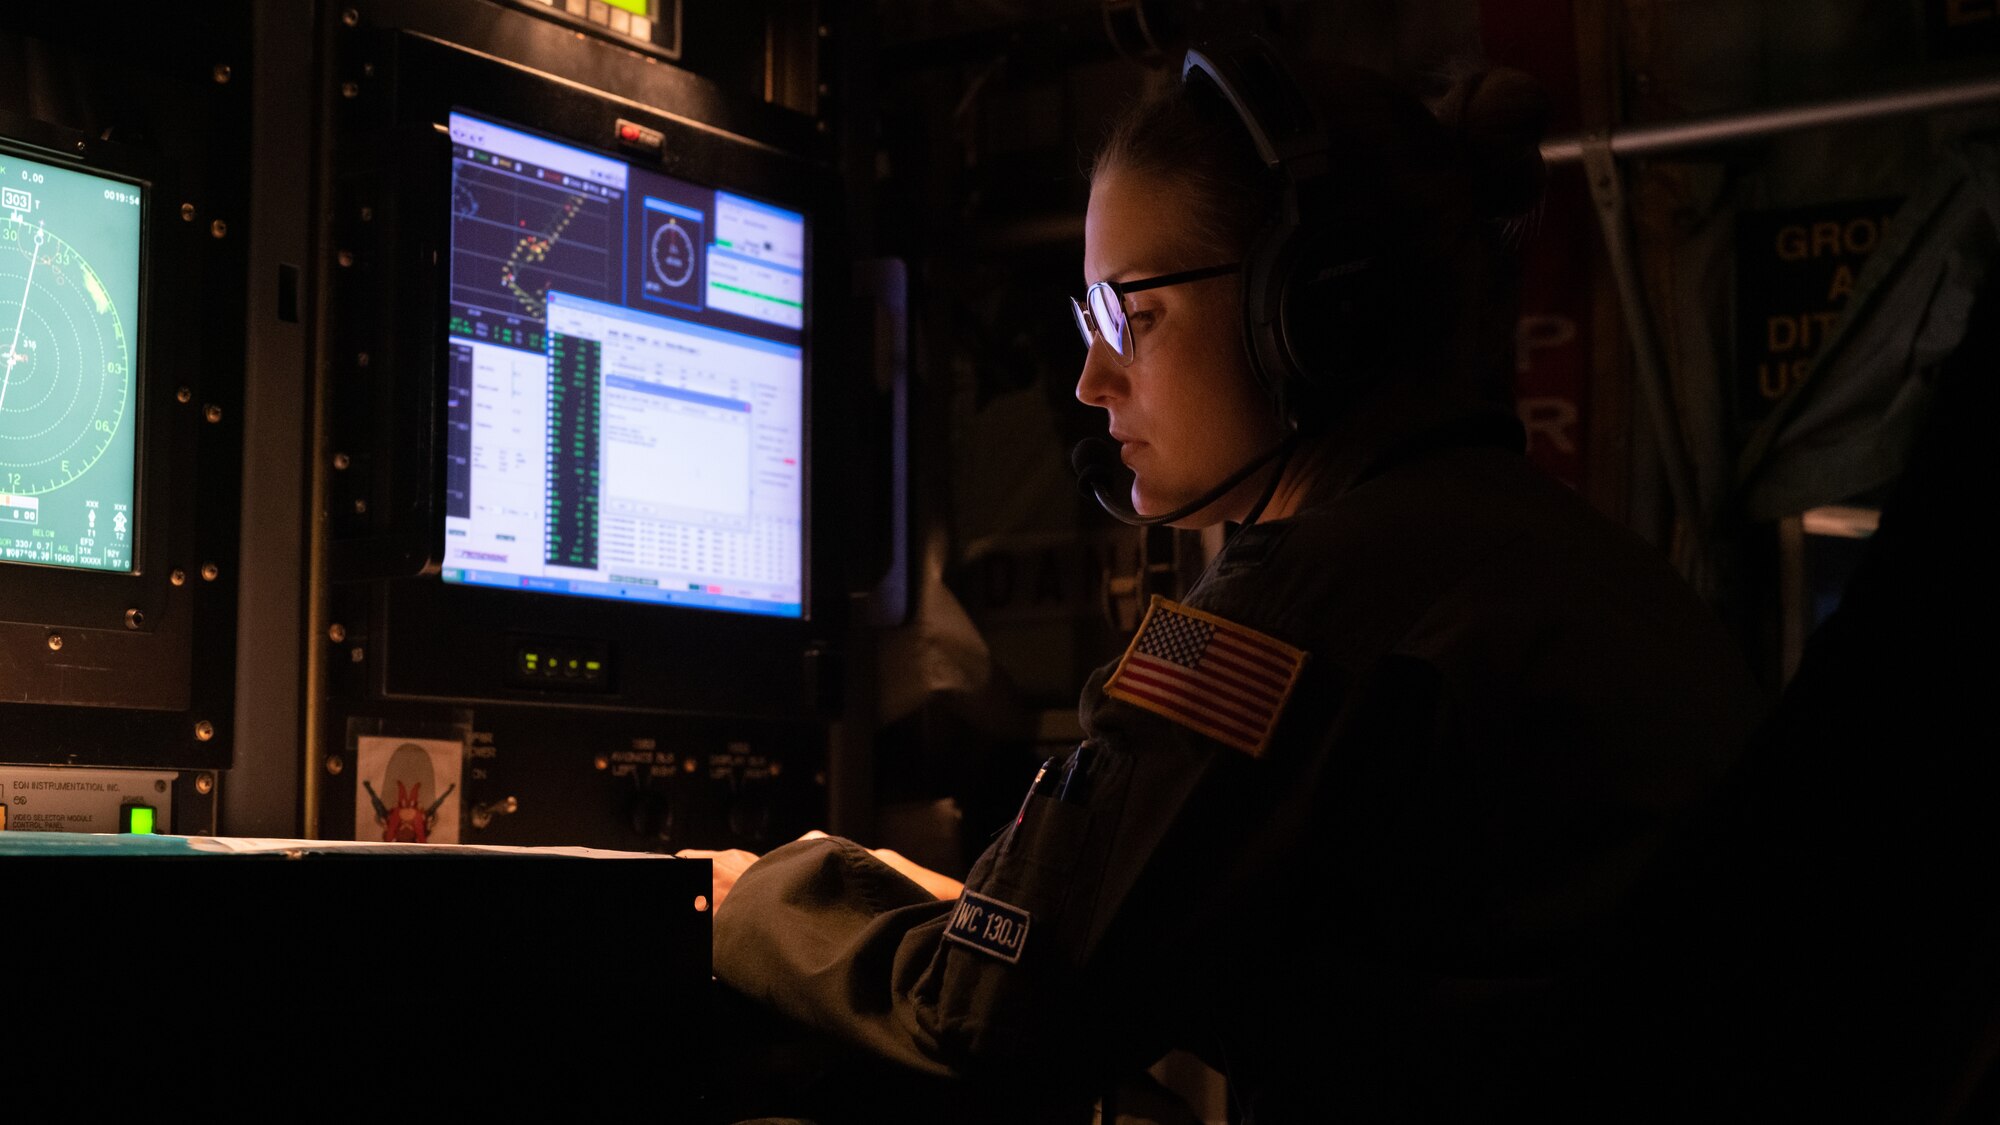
[628,132]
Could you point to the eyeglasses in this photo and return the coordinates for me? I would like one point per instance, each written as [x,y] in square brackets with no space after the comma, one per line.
[1102,314]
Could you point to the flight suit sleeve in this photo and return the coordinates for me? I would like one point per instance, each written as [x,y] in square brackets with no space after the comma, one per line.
[1048,965]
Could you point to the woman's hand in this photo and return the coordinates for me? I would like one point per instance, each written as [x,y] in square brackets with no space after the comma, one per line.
[727,866]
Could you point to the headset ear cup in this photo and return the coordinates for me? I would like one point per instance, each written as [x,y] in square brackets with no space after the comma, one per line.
[1320,311]
[1264,274]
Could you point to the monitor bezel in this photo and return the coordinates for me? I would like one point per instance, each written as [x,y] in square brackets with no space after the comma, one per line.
[432,641]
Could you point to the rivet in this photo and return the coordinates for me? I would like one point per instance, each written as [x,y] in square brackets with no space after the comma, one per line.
[218,228]
[55,642]
[336,632]
[204,783]
[135,618]
[187,212]
[179,577]
[210,572]
[212,412]
[204,730]
[335,764]
[221,73]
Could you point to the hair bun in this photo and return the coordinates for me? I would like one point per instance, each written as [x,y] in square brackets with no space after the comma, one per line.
[1499,116]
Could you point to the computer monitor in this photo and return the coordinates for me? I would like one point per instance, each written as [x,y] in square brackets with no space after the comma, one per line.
[69,365]
[625,405]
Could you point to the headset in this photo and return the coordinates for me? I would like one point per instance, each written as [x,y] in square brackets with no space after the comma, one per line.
[1302,291]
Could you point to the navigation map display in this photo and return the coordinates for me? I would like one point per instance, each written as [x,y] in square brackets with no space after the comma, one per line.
[626,387]
[69,330]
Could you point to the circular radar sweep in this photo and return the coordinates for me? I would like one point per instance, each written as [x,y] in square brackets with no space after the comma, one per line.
[66,367]
[673,255]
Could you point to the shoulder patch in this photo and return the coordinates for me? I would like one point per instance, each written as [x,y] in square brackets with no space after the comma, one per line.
[1208,674]
[992,927]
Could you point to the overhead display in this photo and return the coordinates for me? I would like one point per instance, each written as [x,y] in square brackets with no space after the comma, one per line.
[626,384]
[69,326]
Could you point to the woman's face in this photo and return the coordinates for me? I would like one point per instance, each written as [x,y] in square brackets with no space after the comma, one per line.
[1187,411]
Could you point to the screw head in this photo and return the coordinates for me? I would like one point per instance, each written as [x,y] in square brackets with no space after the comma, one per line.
[218,228]
[602,762]
[82,146]
[350,89]
[357,654]
[210,572]
[184,395]
[179,577]
[203,731]
[135,618]
[159,786]
[336,765]
[187,212]
[360,506]
[351,18]
[341,461]
[204,783]
[221,73]
[55,642]
[212,412]
[336,632]
[345,258]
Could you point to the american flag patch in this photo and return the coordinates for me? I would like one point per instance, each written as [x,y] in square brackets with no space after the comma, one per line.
[1211,675]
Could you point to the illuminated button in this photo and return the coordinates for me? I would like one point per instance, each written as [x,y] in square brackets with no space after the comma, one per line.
[136,819]
[600,12]
[628,131]
[642,28]
[621,22]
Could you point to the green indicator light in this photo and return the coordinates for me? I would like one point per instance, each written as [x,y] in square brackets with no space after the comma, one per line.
[636,7]
[139,820]
[593,665]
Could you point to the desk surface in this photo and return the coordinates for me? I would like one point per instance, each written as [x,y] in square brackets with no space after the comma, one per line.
[58,844]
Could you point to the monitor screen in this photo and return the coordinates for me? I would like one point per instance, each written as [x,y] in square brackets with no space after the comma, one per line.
[69,327]
[626,381]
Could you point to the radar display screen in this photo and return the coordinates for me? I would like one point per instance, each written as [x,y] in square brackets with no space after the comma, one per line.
[69,330]
[625,385]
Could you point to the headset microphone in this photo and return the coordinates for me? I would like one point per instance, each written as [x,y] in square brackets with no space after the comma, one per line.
[1100,474]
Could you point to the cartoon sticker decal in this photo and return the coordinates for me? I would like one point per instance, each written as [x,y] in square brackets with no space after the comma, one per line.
[408,790]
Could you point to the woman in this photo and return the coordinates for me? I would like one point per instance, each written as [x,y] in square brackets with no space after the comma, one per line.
[1346,819]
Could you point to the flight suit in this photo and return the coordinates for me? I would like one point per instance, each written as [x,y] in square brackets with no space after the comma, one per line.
[1496,705]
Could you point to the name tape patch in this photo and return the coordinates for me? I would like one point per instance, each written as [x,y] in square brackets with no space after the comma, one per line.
[990,926]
